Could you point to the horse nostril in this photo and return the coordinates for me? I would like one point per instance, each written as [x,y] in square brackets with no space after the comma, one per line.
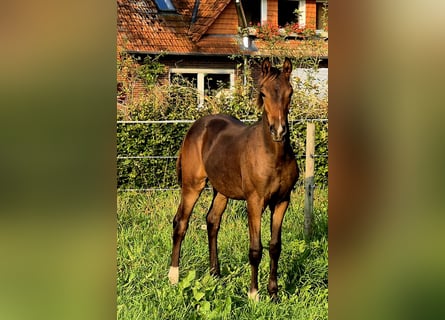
[281,131]
[284,130]
[278,133]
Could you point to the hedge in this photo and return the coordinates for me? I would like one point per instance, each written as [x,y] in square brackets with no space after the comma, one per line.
[164,139]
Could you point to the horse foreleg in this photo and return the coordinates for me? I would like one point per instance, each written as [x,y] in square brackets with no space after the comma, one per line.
[254,210]
[216,210]
[277,215]
[180,225]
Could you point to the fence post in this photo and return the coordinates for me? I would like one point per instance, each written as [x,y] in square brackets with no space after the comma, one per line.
[309,179]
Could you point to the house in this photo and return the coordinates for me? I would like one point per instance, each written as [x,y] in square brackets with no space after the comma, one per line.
[198,38]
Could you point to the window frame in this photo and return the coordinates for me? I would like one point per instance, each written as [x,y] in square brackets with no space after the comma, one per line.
[316,13]
[165,5]
[201,73]
[281,12]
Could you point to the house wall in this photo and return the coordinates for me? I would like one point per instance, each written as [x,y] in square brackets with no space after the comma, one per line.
[130,89]
[311,14]
[272,12]
[226,23]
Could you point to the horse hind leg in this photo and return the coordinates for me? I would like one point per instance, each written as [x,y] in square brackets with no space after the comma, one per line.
[214,215]
[180,225]
[192,176]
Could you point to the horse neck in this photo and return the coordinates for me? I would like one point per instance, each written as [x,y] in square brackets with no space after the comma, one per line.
[277,148]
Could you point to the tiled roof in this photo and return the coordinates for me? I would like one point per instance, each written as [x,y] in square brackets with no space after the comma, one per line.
[142,28]
[218,45]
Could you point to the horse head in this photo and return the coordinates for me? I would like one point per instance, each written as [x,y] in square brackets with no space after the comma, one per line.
[275,96]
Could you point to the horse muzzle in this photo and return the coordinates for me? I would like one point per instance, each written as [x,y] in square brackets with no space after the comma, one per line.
[278,134]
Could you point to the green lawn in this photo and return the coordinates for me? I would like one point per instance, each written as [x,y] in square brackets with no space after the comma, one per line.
[144,247]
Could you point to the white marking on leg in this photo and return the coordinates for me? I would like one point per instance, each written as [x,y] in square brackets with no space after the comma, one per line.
[253,295]
[173,275]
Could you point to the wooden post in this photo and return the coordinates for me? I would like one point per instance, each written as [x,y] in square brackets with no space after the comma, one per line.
[309,179]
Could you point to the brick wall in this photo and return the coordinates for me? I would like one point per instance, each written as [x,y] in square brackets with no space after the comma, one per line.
[311,14]
[272,12]
[129,88]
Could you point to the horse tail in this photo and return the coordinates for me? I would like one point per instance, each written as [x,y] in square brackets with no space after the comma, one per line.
[179,169]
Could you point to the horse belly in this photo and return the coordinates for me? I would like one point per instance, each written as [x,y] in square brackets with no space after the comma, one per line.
[221,151]
[232,192]
[223,172]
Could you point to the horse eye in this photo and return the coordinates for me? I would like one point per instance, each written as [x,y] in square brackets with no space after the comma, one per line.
[262,95]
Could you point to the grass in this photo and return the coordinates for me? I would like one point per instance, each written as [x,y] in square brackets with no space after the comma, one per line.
[144,247]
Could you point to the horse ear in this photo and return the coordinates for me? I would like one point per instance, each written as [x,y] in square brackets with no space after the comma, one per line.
[287,67]
[266,66]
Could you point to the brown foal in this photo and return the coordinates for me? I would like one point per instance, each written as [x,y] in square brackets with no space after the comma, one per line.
[253,163]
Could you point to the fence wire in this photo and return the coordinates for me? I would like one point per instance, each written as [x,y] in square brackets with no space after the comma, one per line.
[167,166]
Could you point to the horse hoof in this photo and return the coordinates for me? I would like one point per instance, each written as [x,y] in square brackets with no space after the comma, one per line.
[253,295]
[173,275]
[214,272]
[274,298]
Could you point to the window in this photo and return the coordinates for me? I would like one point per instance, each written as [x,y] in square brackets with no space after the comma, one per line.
[208,82]
[322,15]
[165,5]
[216,82]
[252,11]
[255,12]
[287,12]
